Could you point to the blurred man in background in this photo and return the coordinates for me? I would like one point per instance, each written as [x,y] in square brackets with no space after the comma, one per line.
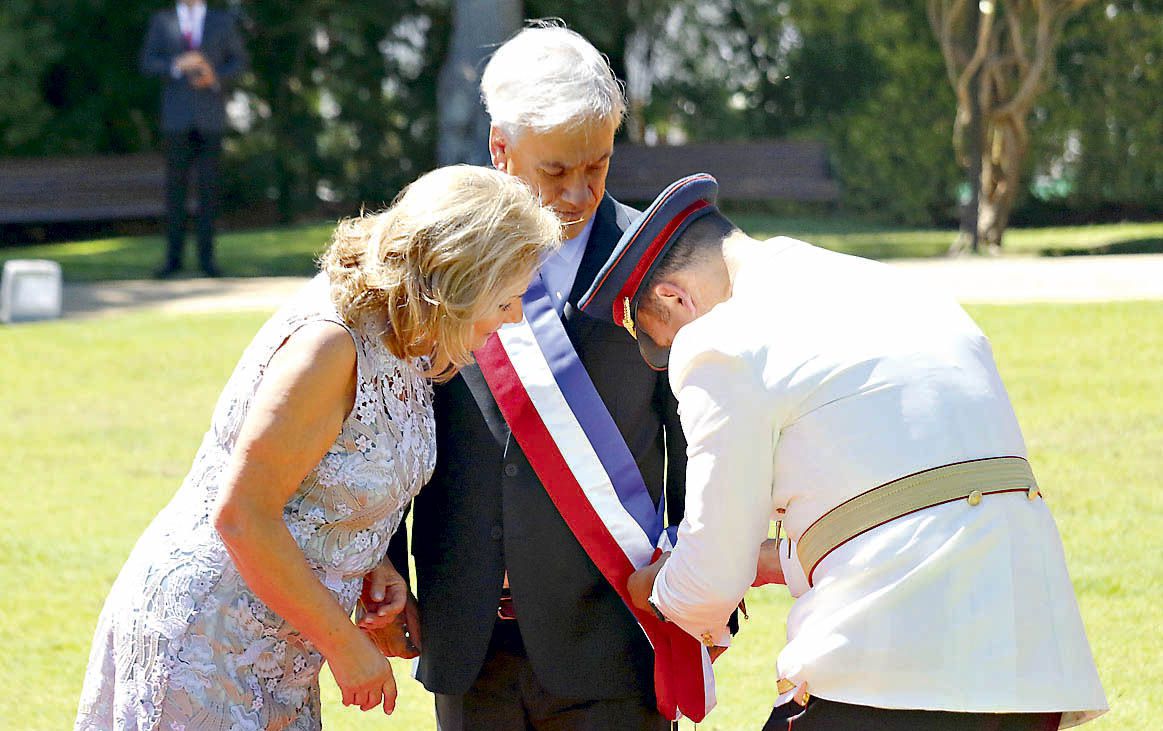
[197,52]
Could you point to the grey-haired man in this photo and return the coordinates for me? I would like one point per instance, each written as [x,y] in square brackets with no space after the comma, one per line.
[520,629]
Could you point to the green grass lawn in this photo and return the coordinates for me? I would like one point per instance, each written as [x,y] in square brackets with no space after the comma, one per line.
[102,418]
[292,250]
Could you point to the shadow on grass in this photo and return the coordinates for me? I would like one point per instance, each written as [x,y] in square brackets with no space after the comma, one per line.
[1132,246]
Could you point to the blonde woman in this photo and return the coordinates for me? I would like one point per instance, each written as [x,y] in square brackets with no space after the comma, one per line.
[245,583]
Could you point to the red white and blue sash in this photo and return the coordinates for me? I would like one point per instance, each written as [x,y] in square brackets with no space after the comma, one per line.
[575,448]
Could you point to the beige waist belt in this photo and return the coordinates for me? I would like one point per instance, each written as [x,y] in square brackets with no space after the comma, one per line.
[961,481]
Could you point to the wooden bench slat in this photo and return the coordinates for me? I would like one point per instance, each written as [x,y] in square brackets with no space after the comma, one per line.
[88,188]
[89,213]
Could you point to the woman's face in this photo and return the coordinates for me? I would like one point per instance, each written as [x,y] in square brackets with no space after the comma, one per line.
[508,310]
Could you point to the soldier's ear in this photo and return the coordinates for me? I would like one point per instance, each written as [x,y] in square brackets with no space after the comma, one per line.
[675,297]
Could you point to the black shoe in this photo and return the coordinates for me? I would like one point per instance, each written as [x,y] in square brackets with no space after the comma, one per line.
[211,271]
[169,271]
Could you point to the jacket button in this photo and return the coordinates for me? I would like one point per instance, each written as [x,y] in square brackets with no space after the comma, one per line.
[496,533]
[511,470]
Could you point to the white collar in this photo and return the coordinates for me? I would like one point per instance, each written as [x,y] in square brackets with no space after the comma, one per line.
[194,14]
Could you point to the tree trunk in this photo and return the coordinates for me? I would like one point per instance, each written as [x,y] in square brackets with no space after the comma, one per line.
[478,27]
[1000,181]
[998,54]
[968,137]
[972,143]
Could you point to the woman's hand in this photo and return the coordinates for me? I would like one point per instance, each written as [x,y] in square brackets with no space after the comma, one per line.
[391,617]
[364,676]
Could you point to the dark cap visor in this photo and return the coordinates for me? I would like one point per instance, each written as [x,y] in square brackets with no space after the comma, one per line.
[656,356]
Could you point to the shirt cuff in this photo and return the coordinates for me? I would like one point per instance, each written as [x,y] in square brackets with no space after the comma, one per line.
[717,636]
[793,573]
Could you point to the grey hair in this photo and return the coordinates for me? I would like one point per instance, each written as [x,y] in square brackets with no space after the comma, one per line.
[548,77]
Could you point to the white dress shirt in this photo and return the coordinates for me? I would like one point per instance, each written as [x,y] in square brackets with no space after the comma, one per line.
[192,20]
[822,377]
[560,267]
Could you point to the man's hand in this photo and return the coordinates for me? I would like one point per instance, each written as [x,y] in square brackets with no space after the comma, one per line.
[400,637]
[769,570]
[189,61]
[390,614]
[641,583]
[195,66]
[203,76]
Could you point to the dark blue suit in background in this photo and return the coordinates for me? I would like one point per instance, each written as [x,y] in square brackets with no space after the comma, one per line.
[192,121]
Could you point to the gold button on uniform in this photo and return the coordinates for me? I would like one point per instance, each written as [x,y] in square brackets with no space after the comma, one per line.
[707,639]
[1032,493]
[975,497]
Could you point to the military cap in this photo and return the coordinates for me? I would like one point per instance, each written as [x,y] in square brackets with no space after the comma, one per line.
[616,290]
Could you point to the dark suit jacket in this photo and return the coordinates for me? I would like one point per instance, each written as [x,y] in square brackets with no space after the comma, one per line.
[485,511]
[183,106]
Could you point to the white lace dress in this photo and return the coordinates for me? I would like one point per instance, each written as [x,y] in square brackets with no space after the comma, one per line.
[182,642]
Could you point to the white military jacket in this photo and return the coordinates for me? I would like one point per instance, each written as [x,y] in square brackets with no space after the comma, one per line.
[824,376]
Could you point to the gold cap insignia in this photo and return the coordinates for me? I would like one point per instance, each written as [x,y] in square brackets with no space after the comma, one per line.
[627,321]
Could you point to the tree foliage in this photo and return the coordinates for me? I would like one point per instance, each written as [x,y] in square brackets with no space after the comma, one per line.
[892,147]
[862,75]
[1099,129]
[69,80]
[341,98]
[340,106]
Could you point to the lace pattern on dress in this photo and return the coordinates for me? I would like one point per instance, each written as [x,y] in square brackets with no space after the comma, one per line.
[182,643]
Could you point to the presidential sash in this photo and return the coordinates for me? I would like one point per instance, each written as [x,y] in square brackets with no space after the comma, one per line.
[573,445]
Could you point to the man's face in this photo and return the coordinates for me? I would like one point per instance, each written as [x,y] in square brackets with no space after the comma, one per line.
[567,168]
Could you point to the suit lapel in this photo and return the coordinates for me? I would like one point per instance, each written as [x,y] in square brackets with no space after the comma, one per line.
[475,380]
[173,29]
[209,27]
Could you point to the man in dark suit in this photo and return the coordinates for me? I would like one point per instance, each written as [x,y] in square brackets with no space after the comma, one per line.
[519,628]
[196,52]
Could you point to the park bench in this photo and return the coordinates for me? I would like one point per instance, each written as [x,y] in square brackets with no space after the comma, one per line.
[92,188]
[121,187]
[752,171]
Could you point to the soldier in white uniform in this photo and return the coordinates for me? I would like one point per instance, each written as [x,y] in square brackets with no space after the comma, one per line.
[866,415]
